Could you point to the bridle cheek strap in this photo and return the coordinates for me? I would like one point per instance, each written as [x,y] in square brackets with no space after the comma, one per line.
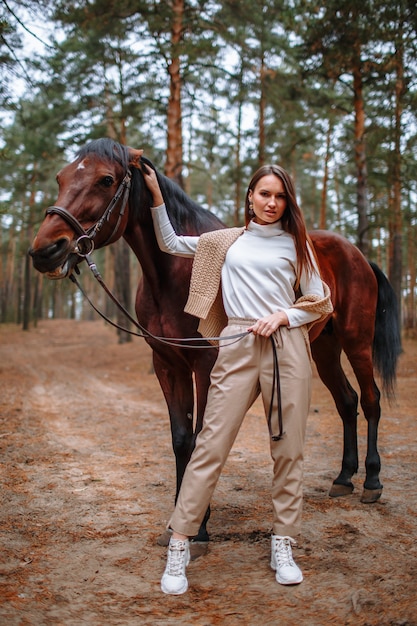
[85,241]
[121,193]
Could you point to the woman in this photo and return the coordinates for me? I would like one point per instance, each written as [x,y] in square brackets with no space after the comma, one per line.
[244,281]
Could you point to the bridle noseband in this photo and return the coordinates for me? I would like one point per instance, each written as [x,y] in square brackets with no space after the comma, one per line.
[85,242]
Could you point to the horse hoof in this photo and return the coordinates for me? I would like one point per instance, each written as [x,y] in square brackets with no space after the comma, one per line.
[197,549]
[338,491]
[371,495]
[163,540]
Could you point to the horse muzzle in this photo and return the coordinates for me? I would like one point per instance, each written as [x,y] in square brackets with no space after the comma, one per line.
[57,260]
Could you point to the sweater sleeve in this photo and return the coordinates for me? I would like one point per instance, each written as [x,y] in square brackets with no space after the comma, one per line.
[167,238]
[310,285]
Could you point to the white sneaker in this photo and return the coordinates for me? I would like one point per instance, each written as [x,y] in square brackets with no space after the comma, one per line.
[287,572]
[174,580]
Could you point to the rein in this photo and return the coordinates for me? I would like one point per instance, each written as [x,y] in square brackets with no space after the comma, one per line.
[84,247]
[180,342]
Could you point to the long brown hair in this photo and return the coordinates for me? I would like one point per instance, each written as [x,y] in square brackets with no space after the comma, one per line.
[292,220]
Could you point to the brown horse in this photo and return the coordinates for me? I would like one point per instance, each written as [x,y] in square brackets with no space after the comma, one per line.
[102,197]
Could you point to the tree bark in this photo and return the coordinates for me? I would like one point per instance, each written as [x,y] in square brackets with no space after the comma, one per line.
[122,287]
[26,294]
[27,287]
[360,156]
[173,165]
[262,105]
[410,314]
[238,179]
[323,206]
[396,262]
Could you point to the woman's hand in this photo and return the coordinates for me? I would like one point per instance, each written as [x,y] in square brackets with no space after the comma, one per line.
[152,184]
[269,324]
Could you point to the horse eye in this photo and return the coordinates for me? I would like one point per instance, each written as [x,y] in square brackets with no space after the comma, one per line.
[107,181]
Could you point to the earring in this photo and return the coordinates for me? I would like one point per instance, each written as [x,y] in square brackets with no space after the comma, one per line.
[251,212]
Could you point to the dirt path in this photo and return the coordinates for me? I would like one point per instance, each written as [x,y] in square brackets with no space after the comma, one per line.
[87,483]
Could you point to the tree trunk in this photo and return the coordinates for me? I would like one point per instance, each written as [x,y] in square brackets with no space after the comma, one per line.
[9,284]
[360,156]
[238,179]
[262,105]
[122,287]
[27,287]
[37,299]
[173,165]
[339,222]
[323,206]
[410,313]
[395,268]
[26,294]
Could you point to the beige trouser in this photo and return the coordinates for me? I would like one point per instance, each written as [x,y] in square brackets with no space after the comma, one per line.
[242,371]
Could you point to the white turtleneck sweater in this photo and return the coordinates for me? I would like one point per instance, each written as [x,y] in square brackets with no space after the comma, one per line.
[259,271]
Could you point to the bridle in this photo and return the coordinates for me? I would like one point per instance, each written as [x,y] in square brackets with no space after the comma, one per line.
[85,242]
[84,247]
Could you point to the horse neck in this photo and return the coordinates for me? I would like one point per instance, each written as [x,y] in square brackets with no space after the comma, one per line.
[157,267]
[140,237]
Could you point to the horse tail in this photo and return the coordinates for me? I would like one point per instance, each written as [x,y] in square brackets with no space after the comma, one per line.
[387,339]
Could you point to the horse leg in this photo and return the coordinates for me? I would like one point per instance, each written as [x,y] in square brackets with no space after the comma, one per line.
[176,383]
[370,402]
[326,352]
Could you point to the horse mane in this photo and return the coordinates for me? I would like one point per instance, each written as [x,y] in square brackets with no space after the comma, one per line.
[187,217]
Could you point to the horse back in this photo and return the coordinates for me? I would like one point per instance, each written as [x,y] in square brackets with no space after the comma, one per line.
[352,282]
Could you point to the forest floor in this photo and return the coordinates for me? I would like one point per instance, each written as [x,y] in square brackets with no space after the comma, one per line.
[87,484]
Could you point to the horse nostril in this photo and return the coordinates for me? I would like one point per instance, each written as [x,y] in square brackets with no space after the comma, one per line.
[51,256]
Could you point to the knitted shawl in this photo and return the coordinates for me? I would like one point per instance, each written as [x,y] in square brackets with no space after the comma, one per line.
[205,298]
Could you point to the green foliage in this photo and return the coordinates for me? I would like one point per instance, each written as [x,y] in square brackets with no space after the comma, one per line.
[261,81]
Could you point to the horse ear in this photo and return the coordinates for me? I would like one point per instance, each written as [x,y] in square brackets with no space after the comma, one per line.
[134,157]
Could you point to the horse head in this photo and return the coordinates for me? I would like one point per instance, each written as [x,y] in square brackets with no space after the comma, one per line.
[91,209]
